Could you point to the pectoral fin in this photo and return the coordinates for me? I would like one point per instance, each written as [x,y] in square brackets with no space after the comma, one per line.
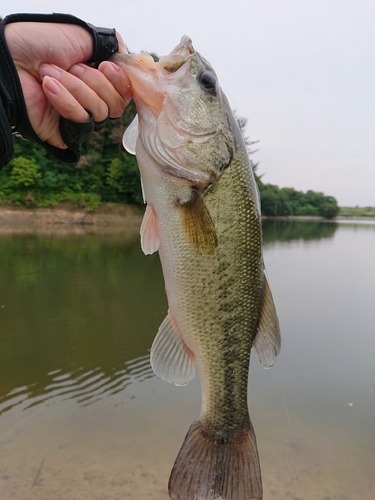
[267,342]
[198,225]
[170,358]
[129,139]
[150,239]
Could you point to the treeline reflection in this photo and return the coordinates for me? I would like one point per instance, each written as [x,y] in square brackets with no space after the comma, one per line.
[285,231]
[76,314]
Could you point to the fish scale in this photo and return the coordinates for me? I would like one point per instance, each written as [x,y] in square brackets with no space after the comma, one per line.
[233,301]
[203,217]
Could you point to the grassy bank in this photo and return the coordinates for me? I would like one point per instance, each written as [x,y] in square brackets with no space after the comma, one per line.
[357,212]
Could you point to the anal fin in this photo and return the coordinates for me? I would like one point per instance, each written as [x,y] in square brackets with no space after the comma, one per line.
[170,358]
[267,342]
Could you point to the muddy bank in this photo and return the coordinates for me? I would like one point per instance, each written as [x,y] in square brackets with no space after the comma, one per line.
[67,217]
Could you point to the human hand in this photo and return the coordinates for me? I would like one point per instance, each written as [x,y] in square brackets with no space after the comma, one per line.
[49,59]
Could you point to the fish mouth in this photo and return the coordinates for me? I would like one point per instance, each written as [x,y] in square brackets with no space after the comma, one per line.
[170,63]
[145,63]
[145,73]
[178,56]
[185,47]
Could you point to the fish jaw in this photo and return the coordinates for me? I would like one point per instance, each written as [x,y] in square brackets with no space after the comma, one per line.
[149,78]
[181,123]
[143,75]
[185,47]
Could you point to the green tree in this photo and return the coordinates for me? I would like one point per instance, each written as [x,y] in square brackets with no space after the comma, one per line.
[107,173]
[329,210]
[25,172]
[274,201]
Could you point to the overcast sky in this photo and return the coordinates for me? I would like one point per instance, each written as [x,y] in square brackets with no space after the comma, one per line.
[301,71]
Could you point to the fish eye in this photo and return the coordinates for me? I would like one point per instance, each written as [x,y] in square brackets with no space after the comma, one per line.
[207,80]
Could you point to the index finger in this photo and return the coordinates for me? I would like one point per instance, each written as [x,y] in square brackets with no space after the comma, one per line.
[121,44]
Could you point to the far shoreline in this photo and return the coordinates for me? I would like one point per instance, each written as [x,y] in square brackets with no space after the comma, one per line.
[339,218]
[111,215]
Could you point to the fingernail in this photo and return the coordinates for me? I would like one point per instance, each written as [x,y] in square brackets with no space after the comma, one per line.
[76,70]
[50,85]
[50,70]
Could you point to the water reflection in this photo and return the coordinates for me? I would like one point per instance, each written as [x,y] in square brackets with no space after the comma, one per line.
[60,290]
[73,306]
[82,386]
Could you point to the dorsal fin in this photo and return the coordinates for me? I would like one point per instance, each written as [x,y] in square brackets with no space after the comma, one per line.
[267,342]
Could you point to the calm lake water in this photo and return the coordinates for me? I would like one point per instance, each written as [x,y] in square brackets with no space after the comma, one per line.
[83,417]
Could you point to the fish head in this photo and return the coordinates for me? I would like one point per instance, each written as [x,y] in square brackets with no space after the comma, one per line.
[183,115]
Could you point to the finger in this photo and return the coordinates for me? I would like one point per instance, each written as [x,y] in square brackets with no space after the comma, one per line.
[81,92]
[65,105]
[121,44]
[103,86]
[119,79]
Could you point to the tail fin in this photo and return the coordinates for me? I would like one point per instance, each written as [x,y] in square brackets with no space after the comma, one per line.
[208,467]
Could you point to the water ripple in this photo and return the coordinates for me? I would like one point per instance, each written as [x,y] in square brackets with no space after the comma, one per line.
[84,386]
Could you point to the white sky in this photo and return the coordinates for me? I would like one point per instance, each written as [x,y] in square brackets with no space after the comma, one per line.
[301,71]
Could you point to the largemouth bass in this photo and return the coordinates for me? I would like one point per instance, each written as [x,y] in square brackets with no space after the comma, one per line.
[203,216]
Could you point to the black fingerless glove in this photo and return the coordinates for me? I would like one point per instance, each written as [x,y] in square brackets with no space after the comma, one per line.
[13,114]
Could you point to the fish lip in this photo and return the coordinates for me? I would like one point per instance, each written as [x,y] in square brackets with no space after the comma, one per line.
[126,59]
[185,47]
[170,63]
[133,65]
[146,77]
